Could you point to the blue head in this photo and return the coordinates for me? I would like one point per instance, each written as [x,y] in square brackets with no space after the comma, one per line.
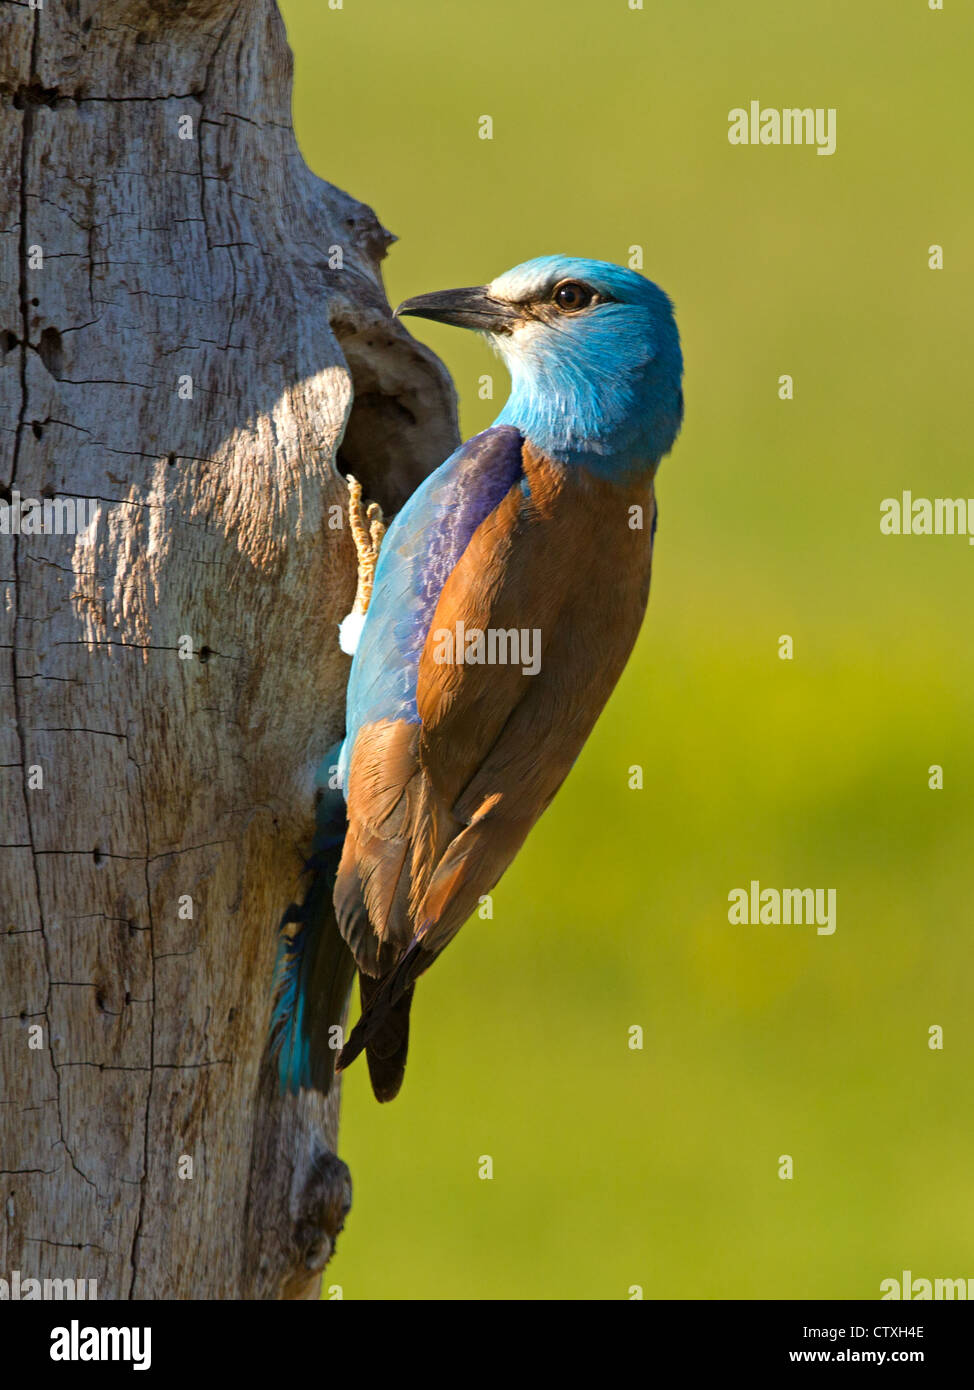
[594,356]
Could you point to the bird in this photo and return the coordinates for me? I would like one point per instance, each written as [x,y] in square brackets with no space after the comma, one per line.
[538,531]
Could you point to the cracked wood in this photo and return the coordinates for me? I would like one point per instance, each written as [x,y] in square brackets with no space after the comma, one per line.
[132,261]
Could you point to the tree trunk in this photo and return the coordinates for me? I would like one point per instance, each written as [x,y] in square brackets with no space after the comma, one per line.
[190,325]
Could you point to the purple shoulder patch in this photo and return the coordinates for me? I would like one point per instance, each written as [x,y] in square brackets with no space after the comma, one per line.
[485,470]
[419,553]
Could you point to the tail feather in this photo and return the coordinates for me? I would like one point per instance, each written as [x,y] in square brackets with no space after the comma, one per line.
[315,969]
[314,974]
[386,1049]
[382,1031]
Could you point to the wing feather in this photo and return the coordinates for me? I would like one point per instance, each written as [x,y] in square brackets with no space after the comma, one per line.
[439,807]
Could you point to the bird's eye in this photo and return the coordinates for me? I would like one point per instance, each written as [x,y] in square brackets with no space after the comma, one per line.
[571,296]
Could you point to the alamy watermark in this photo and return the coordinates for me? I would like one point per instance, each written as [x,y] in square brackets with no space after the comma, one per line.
[77,1343]
[793,125]
[48,516]
[15,1288]
[497,646]
[790,906]
[907,515]
[921,1290]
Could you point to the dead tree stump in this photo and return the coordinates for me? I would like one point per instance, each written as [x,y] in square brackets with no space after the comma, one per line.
[193,332]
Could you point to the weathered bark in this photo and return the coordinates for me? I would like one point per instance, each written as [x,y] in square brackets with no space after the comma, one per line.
[173,249]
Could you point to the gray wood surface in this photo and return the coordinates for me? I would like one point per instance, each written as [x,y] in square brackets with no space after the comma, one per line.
[158,227]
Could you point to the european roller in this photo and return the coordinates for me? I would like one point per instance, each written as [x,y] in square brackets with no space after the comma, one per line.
[540,527]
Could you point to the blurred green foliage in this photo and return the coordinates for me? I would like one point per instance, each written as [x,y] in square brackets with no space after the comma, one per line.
[658,1167]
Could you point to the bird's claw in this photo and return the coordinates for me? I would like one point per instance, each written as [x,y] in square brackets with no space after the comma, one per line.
[368,528]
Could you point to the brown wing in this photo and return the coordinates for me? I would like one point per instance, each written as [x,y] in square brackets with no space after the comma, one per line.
[437,811]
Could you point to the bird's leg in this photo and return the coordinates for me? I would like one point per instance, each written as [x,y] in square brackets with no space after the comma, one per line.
[368,528]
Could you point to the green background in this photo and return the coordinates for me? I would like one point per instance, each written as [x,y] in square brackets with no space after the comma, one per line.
[659,1167]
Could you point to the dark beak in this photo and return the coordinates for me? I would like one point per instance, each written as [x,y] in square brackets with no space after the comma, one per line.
[466,308]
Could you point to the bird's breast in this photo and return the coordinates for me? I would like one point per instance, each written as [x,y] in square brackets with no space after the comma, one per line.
[564,563]
[596,531]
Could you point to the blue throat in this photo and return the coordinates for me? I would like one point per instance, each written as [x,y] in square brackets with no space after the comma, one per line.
[602,391]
